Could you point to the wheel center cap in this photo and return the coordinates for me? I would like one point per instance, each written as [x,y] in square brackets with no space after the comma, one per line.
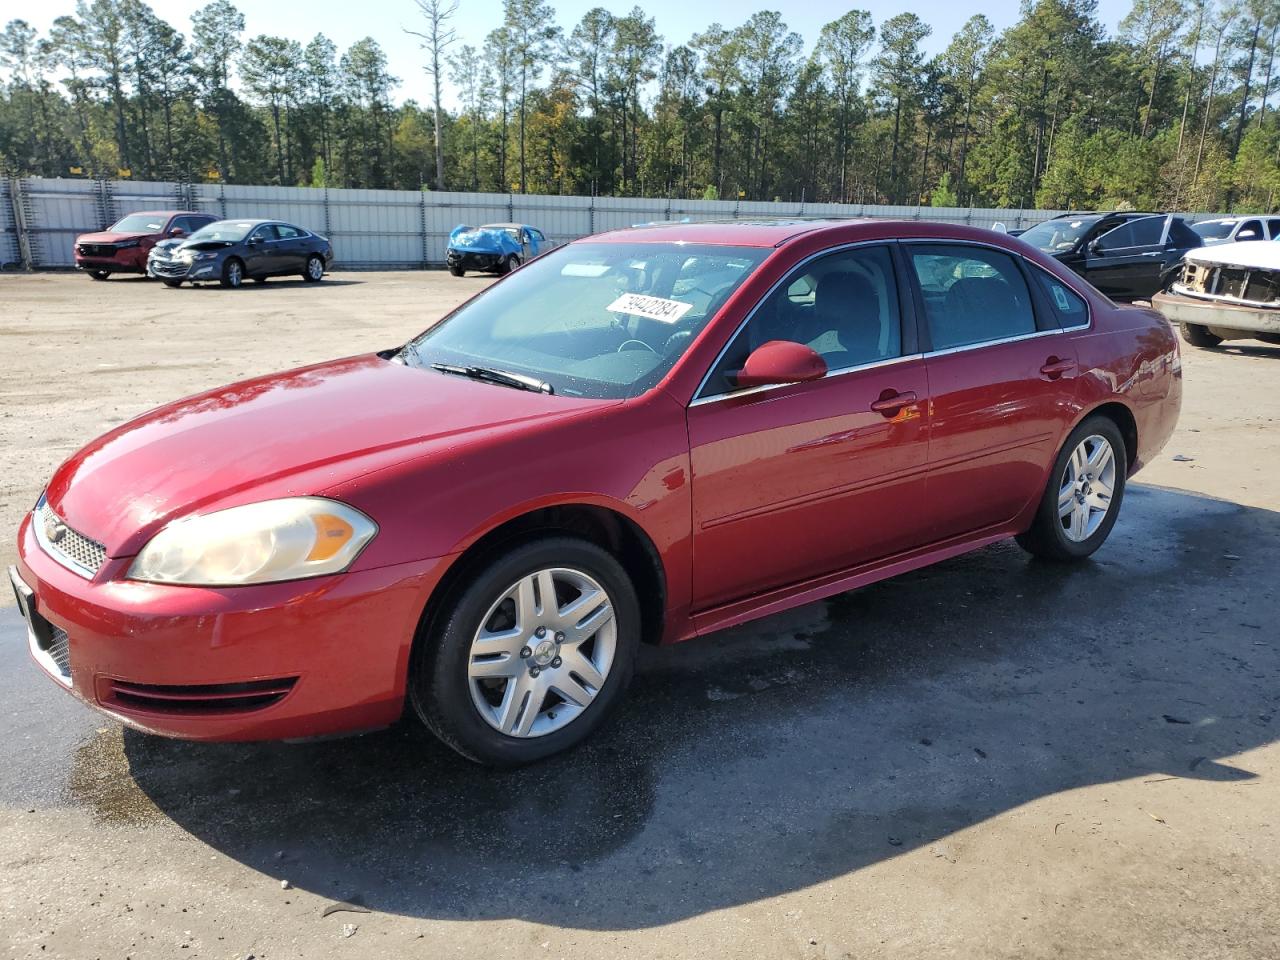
[544,652]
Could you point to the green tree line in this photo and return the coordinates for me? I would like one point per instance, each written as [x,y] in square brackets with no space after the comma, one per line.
[1176,110]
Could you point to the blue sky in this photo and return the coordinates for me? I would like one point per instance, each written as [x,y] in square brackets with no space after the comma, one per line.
[344,21]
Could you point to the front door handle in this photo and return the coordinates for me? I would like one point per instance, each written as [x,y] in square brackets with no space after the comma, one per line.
[1055,367]
[891,402]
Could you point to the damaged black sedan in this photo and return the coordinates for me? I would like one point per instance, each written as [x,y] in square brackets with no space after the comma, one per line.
[232,251]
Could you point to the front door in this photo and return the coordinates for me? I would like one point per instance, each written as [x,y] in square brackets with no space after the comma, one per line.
[1002,377]
[260,251]
[791,482]
[1126,261]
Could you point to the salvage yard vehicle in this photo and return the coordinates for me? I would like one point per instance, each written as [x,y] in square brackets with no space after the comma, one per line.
[1227,292]
[494,248]
[1126,255]
[231,251]
[1237,229]
[125,245]
[641,437]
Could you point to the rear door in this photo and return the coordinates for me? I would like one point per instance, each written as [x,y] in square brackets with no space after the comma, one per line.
[1002,376]
[798,480]
[291,249]
[1126,261]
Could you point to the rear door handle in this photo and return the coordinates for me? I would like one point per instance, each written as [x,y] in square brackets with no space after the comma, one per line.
[1055,367]
[891,402]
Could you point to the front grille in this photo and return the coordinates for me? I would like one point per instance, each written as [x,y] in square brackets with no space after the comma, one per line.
[64,544]
[199,699]
[169,268]
[1231,282]
[97,249]
[59,651]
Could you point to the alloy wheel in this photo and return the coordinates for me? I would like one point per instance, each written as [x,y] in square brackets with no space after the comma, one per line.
[1085,490]
[543,652]
[315,268]
[233,274]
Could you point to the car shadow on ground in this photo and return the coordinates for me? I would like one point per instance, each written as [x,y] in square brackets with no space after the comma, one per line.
[778,755]
[1249,349]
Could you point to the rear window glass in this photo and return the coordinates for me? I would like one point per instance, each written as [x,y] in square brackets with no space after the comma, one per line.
[972,295]
[1071,309]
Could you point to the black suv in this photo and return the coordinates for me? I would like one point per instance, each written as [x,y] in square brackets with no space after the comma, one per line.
[1128,256]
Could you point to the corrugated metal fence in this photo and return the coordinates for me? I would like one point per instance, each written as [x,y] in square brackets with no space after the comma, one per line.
[370,229]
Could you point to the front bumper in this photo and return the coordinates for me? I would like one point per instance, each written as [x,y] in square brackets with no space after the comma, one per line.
[1222,317]
[474,261]
[300,659]
[164,268]
[120,263]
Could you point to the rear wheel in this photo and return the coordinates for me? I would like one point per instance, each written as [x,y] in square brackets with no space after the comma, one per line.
[314,271]
[99,274]
[1082,499]
[1199,336]
[532,654]
[232,273]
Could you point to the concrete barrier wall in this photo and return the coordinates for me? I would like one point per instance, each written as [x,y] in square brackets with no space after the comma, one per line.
[372,229]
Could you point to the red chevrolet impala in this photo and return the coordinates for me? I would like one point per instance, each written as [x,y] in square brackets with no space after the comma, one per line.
[641,437]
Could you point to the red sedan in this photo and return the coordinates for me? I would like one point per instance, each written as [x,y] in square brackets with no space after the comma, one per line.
[641,437]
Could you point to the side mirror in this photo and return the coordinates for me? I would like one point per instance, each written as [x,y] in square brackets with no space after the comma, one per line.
[1095,248]
[177,232]
[781,361]
[253,242]
[1247,235]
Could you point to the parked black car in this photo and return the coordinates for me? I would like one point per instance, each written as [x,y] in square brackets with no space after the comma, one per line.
[231,251]
[1128,256]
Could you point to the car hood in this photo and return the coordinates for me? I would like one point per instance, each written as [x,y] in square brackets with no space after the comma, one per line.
[109,236]
[170,245]
[477,240]
[1256,254]
[293,433]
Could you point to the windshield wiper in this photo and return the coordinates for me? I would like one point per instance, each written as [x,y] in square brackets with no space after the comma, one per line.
[491,375]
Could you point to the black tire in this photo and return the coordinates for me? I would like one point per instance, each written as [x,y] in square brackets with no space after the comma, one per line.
[310,272]
[99,274]
[507,264]
[439,683]
[1047,537]
[456,269]
[1199,336]
[232,273]
[173,283]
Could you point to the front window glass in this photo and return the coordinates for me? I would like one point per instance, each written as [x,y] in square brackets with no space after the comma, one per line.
[972,295]
[605,320]
[843,306]
[139,223]
[1145,232]
[229,230]
[1055,236]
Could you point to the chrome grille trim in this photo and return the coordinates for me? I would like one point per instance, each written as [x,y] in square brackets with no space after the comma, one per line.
[73,550]
[59,652]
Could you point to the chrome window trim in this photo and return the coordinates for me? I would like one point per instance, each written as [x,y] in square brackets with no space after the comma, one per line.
[697,394]
[830,374]
[964,348]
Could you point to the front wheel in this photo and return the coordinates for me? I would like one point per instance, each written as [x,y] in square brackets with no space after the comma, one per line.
[1199,336]
[99,274]
[232,274]
[314,271]
[532,654]
[1082,499]
[173,283]
[456,269]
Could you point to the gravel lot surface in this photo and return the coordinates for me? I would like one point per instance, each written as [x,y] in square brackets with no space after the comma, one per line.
[988,758]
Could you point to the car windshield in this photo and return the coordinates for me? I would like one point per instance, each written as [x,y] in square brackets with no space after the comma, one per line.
[1214,229]
[139,223]
[602,320]
[230,230]
[1055,236]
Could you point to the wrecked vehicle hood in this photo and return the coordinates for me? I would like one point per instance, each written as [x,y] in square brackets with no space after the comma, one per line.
[481,240]
[1253,254]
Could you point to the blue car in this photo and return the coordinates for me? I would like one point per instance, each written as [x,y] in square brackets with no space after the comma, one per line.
[493,248]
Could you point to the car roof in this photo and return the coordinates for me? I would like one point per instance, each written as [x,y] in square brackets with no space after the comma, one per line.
[761,232]
[167,213]
[505,226]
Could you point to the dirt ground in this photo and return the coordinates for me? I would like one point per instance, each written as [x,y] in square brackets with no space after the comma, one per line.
[989,758]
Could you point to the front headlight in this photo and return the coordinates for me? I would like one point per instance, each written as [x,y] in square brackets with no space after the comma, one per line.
[258,543]
[202,256]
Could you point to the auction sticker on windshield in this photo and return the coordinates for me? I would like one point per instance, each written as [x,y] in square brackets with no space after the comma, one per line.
[655,308]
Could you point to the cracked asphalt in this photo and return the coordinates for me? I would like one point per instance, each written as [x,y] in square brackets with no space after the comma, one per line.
[990,757]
